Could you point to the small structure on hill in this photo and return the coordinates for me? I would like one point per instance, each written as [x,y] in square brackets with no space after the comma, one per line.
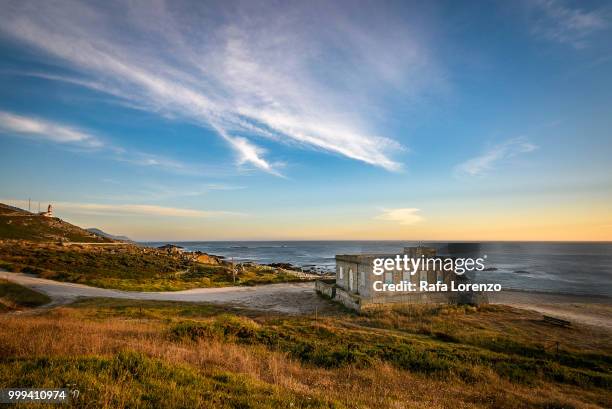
[48,213]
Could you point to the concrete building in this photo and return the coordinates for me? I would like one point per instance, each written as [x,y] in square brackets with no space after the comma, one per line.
[354,285]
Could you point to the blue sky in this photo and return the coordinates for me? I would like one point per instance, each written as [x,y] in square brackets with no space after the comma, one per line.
[326,120]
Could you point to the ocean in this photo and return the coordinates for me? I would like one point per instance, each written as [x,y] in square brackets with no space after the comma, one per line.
[557,267]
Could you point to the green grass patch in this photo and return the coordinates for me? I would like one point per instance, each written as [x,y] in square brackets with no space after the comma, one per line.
[170,311]
[14,296]
[130,379]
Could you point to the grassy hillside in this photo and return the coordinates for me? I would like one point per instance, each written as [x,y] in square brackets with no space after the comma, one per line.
[30,243]
[17,224]
[15,297]
[124,353]
[128,267]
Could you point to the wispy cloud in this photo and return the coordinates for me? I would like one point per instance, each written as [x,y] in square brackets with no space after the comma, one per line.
[97,209]
[221,186]
[557,21]
[244,71]
[153,192]
[32,127]
[154,161]
[485,162]
[37,128]
[403,216]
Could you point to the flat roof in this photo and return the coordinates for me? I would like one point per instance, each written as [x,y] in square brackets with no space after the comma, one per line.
[362,257]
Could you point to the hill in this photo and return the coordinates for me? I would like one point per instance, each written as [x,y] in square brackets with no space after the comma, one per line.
[102,233]
[30,243]
[18,224]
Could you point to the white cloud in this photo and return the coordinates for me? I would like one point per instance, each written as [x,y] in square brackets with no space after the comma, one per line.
[47,130]
[483,163]
[125,209]
[311,76]
[556,21]
[403,216]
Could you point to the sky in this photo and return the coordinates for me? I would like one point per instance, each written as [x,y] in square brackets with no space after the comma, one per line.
[194,120]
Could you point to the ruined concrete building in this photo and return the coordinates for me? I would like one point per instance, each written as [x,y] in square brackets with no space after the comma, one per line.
[354,284]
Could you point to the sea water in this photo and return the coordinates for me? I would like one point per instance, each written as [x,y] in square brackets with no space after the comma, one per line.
[559,267]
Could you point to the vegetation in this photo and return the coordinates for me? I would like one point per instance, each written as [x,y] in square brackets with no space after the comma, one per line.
[34,244]
[441,353]
[129,267]
[19,224]
[15,297]
[124,353]
[131,379]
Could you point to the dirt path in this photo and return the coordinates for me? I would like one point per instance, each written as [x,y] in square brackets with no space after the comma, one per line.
[300,298]
[294,298]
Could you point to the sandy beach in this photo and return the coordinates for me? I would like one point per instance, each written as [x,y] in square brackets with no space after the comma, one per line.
[585,309]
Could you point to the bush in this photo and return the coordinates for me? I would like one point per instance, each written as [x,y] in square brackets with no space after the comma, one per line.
[224,327]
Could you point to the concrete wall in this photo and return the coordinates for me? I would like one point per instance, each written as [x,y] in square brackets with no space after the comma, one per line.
[349,300]
[361,294]
[391,300]
[326,289]
[344,270]
[359,303]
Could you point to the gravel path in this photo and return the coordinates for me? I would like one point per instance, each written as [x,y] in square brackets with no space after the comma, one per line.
[291,298]
[300,298]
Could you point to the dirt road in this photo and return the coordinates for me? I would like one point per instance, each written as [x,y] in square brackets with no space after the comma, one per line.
[300,298]
[294,298]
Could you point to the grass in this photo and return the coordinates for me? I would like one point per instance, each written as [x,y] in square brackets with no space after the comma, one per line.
[129,267]
[19,224]
[131,379]
[16,297]
[170,354]
[332,344]
[30,244]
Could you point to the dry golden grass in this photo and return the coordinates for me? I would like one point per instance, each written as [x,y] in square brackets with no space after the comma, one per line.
[471,324]
[72,332]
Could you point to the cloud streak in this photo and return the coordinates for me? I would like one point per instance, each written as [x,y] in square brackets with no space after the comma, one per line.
[245,72]
[37,128]
[97,209]
[402,216]
[485,162]
[554,20]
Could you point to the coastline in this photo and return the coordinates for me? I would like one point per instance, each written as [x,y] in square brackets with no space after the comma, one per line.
[557,267]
